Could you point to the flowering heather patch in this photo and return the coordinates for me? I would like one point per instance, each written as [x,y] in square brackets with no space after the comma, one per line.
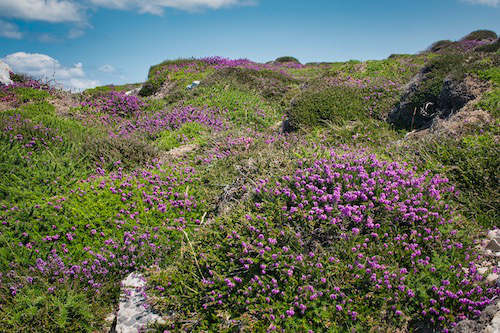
[107,226]
[152,124]
[317,246]
[114,103]
[9,92]
[30,135]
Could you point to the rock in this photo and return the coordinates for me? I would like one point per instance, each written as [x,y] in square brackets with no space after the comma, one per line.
[492,278]
[466,326]
[134,313]
[493,245]
[286,126]
[482,270]
[134,92]
[5,73]
[453,96]
[193,85]
[494,234]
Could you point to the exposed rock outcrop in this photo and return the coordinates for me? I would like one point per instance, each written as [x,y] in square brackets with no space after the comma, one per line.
[454,95]
[5,71]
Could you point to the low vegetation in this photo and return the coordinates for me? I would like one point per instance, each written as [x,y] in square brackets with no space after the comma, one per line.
[343,222]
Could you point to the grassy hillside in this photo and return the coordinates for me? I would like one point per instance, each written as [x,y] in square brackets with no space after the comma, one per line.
[270,197]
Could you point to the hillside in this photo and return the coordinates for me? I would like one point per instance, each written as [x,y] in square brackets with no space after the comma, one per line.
[341,197]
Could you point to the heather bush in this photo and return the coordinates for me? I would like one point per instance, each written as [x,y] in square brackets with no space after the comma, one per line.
[493,47]
[113,103]
[335,104]
[287,59]
[440,45]
[480,35]
[444,66]
[314,248]
[239,106]
[267,83]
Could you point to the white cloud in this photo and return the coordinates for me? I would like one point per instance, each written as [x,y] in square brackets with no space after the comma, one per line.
[45,67]
[9,30]
[492,3]
[157,7]
[106,69]
[75,33]
[42,10]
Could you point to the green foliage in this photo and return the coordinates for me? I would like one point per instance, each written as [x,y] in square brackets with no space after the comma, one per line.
[287,59]
[448,65]
[481,35]
[473,164]
[493,47]
[174,72]
[243,106]
[269,84]
[333,104]
[102,90]
[25,94]
[34,310]
[439,45]
[187,133]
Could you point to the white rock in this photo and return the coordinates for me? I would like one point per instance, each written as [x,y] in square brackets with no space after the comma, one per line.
[134,313]
[5,73]
[493,234]
[492,278]
[482,270]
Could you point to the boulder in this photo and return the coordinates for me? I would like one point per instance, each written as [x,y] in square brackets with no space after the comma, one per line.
[454,95]
[5,73]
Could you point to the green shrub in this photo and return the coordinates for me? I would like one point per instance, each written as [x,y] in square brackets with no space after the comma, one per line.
[493,47]
[439,45]
[269,84]
[473,164]
[243,106]
[448,65]
[34,310]
[333,104]
[287,59]
[480,35]
[147,89]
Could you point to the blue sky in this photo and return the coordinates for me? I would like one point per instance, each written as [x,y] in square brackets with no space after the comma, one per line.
[93,42]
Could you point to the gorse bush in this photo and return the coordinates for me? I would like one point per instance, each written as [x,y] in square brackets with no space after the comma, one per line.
[314,248]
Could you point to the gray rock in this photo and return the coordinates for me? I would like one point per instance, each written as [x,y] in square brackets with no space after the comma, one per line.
[493,245]
[5,73]
[134,312]
[193,85]
[466,326]
[453,96]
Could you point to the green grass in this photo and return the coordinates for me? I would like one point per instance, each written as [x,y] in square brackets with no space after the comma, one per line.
[334,104]
[191,133]
[243,107]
